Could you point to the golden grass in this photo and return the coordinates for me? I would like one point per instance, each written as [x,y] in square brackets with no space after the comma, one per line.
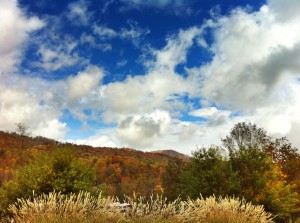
[85,208]
[223,210]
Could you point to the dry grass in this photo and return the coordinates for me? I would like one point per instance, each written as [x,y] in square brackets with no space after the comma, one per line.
[84,208]
[56,207]
[223,210]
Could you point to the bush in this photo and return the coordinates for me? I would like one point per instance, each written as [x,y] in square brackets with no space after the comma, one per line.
[223,210]
[60,170]
[73,208]
[85,208]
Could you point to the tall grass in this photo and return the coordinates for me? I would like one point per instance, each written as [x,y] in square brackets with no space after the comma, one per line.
[85,208]
[59,208]
[222,210]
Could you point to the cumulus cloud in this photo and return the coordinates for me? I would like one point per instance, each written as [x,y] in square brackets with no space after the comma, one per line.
[255,67]
[141,131]
[53,129]
[19,103]
[141,94]
[285,10]
[251,56]
[281,118]
[84,82]
[102,138]
[160,88]
[214,116]
[15,29]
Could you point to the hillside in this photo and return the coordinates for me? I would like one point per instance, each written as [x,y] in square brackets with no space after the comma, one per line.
[119,170]
[172,153]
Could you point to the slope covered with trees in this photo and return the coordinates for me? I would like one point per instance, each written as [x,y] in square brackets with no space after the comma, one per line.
[42,165]
[249,165]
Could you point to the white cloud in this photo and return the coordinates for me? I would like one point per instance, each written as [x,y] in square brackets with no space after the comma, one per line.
[84,82]
[106,5]
[78,13]
[89,39]
[285,10]
[154,3]
[15,29]
[102,138]
[209,112]
[20,102]
[58,53]
[53,129]
[134,33]
[141,94]
[175,52]
[52,60]
[214,116]
[253,55]
[131,103]
[177,7]
[281,119]
[141,131]
[104,32]
[254,66]
[122,63]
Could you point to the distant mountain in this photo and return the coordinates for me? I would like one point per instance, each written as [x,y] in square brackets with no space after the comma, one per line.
[14,140]
[172,153]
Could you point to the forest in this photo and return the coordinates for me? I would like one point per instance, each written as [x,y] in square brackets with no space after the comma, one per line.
[249,168]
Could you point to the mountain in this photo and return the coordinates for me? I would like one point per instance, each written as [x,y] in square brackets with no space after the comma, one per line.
[172,153]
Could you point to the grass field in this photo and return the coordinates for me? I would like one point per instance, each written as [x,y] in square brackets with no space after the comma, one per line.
[85,208]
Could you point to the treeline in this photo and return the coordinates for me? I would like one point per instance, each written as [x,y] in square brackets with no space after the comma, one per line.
[249,164]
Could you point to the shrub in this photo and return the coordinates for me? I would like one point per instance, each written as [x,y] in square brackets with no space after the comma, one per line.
[223,210]
[73,208]
[60,170]
[85,208]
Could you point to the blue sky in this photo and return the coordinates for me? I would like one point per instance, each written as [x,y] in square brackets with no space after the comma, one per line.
[151,74]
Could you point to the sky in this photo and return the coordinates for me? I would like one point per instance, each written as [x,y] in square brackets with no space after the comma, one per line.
[150,74]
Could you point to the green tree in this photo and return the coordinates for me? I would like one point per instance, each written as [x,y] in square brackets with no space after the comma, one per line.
[262,164]
[244,135]
[208,173]
[60,170]
[171,179]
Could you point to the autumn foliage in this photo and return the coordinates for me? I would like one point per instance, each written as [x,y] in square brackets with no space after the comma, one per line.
[249,166]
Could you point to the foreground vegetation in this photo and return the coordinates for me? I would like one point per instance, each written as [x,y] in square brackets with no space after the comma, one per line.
[85,208]
[250,166]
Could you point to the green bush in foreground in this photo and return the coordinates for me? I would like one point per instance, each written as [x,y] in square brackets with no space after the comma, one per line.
[85,208]
[59,170]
